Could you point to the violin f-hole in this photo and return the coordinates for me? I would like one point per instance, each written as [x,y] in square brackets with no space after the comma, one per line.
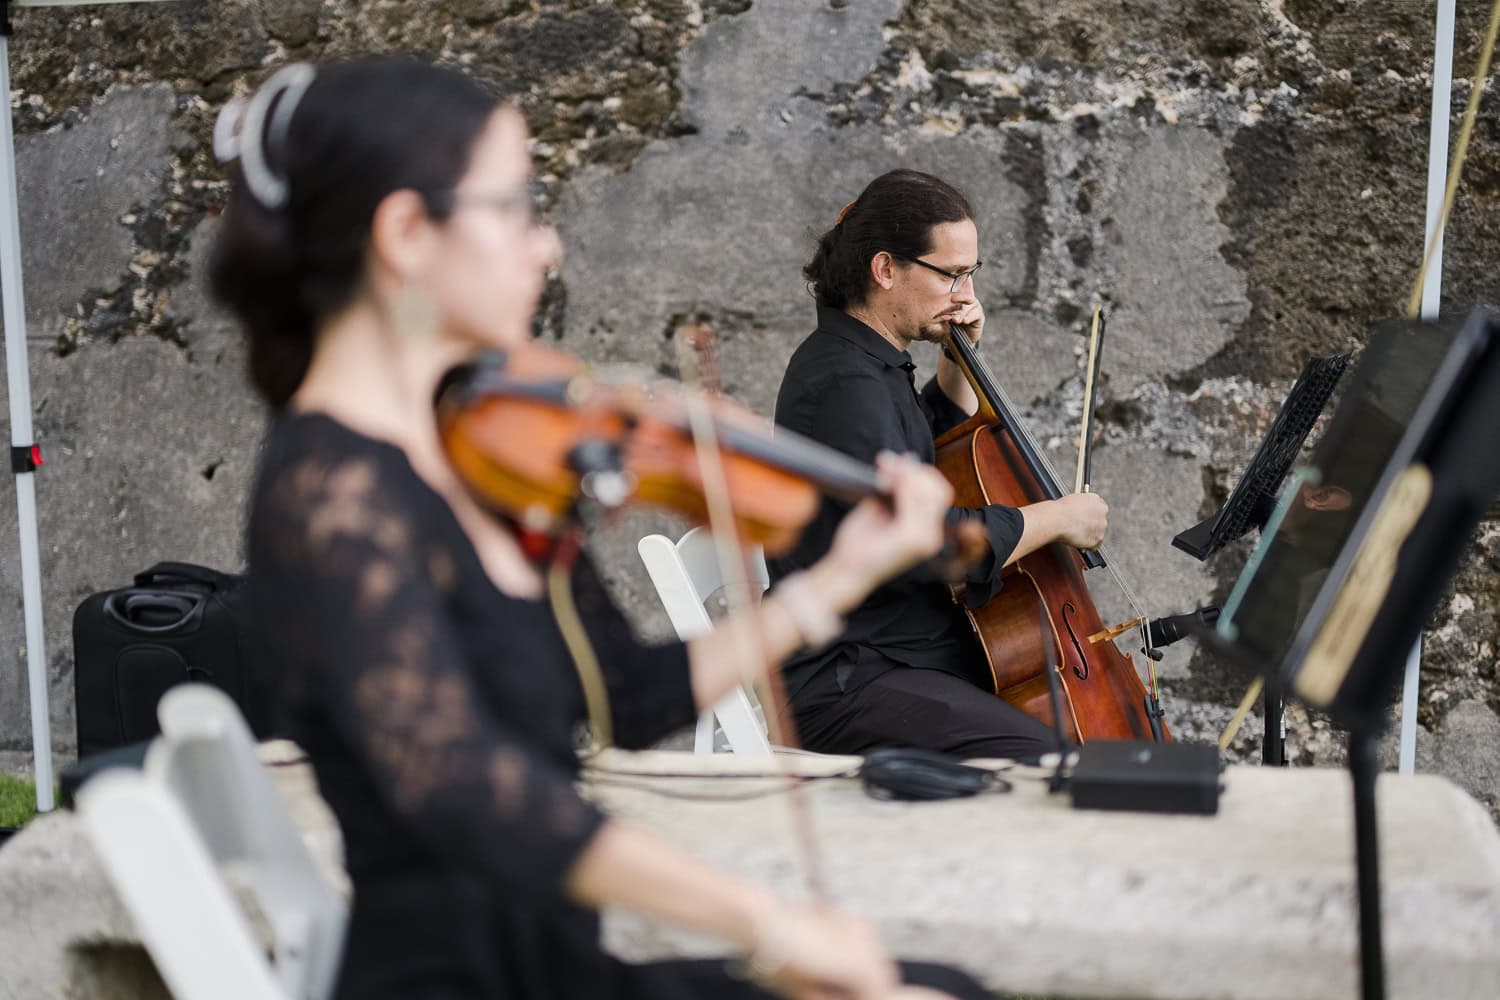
[1068,611]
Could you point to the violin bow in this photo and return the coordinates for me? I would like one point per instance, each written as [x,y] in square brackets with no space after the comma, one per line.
[1090,379]
[694,345]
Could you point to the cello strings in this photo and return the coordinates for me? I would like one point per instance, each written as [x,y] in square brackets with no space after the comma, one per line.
[1109,564]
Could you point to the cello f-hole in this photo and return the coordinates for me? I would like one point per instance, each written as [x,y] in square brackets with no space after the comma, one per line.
[1068,611]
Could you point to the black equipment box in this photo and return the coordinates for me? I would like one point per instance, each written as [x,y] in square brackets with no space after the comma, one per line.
[1147,777]
[177,623]
[72,777]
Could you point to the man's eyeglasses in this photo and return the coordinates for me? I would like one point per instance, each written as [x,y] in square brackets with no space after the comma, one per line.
[524,198]
[957,279]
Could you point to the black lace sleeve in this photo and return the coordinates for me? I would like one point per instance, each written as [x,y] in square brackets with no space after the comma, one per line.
[650,686]
[350,590]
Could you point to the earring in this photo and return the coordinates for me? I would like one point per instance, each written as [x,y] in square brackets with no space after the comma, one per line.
[414,316]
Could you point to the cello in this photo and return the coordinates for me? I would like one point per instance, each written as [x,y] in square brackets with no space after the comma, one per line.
[991,458]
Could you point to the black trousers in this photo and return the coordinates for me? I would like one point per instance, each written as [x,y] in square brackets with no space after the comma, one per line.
[902,706]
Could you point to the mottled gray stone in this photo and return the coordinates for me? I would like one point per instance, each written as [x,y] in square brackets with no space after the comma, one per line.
[1180,301]
[208,330]
[743,70]
[294,22]
[1151,497]
[149,457]
[75,184]
[694,227]
[1468,749]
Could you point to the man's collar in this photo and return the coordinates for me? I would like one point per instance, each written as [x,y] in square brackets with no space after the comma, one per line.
[840,324]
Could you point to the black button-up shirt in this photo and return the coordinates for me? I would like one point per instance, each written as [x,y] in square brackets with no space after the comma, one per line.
[848,387]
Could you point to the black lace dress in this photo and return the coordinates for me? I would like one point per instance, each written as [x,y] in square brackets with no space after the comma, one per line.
[439,715]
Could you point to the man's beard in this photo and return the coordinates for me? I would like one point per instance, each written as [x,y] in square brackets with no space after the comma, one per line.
[934,332]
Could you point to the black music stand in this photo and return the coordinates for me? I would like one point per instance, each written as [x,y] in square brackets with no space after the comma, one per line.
[1253,499]
[1332,598]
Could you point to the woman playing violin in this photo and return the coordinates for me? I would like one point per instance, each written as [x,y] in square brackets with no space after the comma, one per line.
[380,230]
[900,266]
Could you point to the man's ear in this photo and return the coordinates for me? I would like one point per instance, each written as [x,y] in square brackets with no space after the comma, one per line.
[401,233]
[883,269]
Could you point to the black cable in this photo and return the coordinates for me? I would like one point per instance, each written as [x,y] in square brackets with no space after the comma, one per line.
[627,772]
[780,788]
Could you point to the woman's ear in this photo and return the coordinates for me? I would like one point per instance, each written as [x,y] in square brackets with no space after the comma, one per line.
[402,233]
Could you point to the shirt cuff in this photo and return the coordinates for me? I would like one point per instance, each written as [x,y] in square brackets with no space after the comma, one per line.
[1003,527]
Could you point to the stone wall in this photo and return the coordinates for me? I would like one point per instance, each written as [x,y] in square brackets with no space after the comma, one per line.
[1241,184]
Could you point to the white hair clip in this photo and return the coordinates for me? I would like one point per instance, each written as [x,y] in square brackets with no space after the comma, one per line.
[243,133]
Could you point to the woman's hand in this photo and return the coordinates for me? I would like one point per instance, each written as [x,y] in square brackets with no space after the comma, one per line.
[882,537]
[811,953]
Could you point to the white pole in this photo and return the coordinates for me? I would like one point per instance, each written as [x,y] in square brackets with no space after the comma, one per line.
[1432,289]
[18,381]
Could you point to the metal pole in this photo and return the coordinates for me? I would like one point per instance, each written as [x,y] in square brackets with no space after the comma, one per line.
[1364,766]
[18,382]
[1432,288]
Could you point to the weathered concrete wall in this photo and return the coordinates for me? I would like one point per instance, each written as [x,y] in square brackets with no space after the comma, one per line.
[1241,184]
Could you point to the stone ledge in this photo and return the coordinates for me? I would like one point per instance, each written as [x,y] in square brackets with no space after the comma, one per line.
[1037,898]
[1256,902]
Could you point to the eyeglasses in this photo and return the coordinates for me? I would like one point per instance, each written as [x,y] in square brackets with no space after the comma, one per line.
[523,198]
[958,279]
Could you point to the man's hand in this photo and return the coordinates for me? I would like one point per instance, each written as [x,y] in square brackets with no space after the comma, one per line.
[970,320]
[1084,520]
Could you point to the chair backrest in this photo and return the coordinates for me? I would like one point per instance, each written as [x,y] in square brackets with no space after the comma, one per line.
[687,574]
[203,803]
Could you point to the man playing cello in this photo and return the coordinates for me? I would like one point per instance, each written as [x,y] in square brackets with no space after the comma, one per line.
[899,266]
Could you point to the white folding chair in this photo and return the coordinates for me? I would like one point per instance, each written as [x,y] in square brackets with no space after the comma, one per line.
[687,575]
[202,803]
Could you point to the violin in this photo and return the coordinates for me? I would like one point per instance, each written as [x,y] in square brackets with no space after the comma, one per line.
[533,433]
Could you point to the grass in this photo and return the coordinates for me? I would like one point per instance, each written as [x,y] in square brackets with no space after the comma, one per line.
[17,801]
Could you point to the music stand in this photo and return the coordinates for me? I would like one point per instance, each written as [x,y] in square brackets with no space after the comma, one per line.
[1332,599]
[1254,497]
